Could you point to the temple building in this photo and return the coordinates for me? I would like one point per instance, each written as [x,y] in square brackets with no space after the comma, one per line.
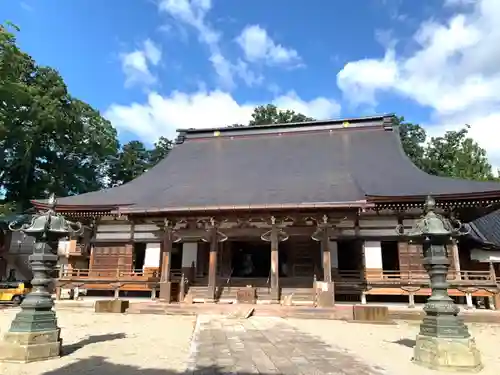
[280,210]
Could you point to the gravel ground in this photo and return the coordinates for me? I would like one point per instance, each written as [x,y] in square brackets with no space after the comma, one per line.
[97,343]
[108,344]
[376,343]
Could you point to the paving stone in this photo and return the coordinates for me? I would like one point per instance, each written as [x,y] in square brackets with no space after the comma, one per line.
[269,346]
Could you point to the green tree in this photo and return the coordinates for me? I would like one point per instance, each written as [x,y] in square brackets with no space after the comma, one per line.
[456,155]
[270,114]
[160,151]
[413,138]
[52,141]
[132,161]
[14,65]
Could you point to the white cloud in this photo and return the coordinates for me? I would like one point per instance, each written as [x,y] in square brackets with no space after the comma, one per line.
[193,13]
[320,108]
[136,65]
[254,40]
[455,71]
[152,52]
[161,116]
[257,45]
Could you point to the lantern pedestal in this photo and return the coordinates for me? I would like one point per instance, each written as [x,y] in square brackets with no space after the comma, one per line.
[447,354]
[444,342]
[25,347]
[34,334]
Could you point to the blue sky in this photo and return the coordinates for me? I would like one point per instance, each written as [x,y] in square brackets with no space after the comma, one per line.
[152,66]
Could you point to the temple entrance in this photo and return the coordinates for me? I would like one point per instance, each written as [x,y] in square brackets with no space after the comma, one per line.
[390,255]
[176,256]
[251,259]
[350,255]
[138,256]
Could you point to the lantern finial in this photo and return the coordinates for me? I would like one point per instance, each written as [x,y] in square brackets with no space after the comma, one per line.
[430,204]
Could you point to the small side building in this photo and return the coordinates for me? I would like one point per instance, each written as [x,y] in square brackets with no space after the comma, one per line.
[484,242]
[15,249]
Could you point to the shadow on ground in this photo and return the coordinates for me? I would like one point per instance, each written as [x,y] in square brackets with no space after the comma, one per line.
[409,343]
[99,366]
[94,339]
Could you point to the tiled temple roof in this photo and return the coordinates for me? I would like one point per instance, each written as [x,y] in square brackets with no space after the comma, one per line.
[347,162]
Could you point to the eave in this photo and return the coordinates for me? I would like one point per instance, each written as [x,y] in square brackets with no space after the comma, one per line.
[246,208]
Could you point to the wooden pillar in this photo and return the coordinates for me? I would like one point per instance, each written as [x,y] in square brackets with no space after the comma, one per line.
[468,299]
[91,260]
[326,293]
[165,264]
[363,298]
[411,300]
[334,257]
[275,277]
[492,272]
[455,259]
[212,265]
[153,293]
[327,257]
[58,293]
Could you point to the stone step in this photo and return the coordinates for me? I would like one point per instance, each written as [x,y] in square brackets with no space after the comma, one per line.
[298,294]
[301,295]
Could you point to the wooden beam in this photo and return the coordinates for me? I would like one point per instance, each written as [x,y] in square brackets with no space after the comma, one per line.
[252,233]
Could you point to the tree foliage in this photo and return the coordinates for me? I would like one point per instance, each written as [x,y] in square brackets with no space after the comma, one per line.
[413,139]
[456,155]
[133,159]
[270,114]
[53,142]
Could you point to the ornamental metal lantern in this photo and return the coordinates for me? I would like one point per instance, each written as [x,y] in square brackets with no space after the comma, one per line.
[47,229]
[432,227]
[441,327]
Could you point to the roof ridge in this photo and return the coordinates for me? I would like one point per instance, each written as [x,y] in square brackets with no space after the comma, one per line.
[382,121]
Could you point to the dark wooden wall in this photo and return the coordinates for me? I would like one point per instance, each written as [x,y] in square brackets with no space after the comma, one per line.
[112,256]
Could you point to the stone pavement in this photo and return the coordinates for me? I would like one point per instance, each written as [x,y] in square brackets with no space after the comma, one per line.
[266,346]
[133,344]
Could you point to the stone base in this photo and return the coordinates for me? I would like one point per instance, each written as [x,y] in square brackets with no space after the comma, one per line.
[246,295]
[24,347]
[446,354]
[371,314]
[117,306]
[166,291]
[325,294]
